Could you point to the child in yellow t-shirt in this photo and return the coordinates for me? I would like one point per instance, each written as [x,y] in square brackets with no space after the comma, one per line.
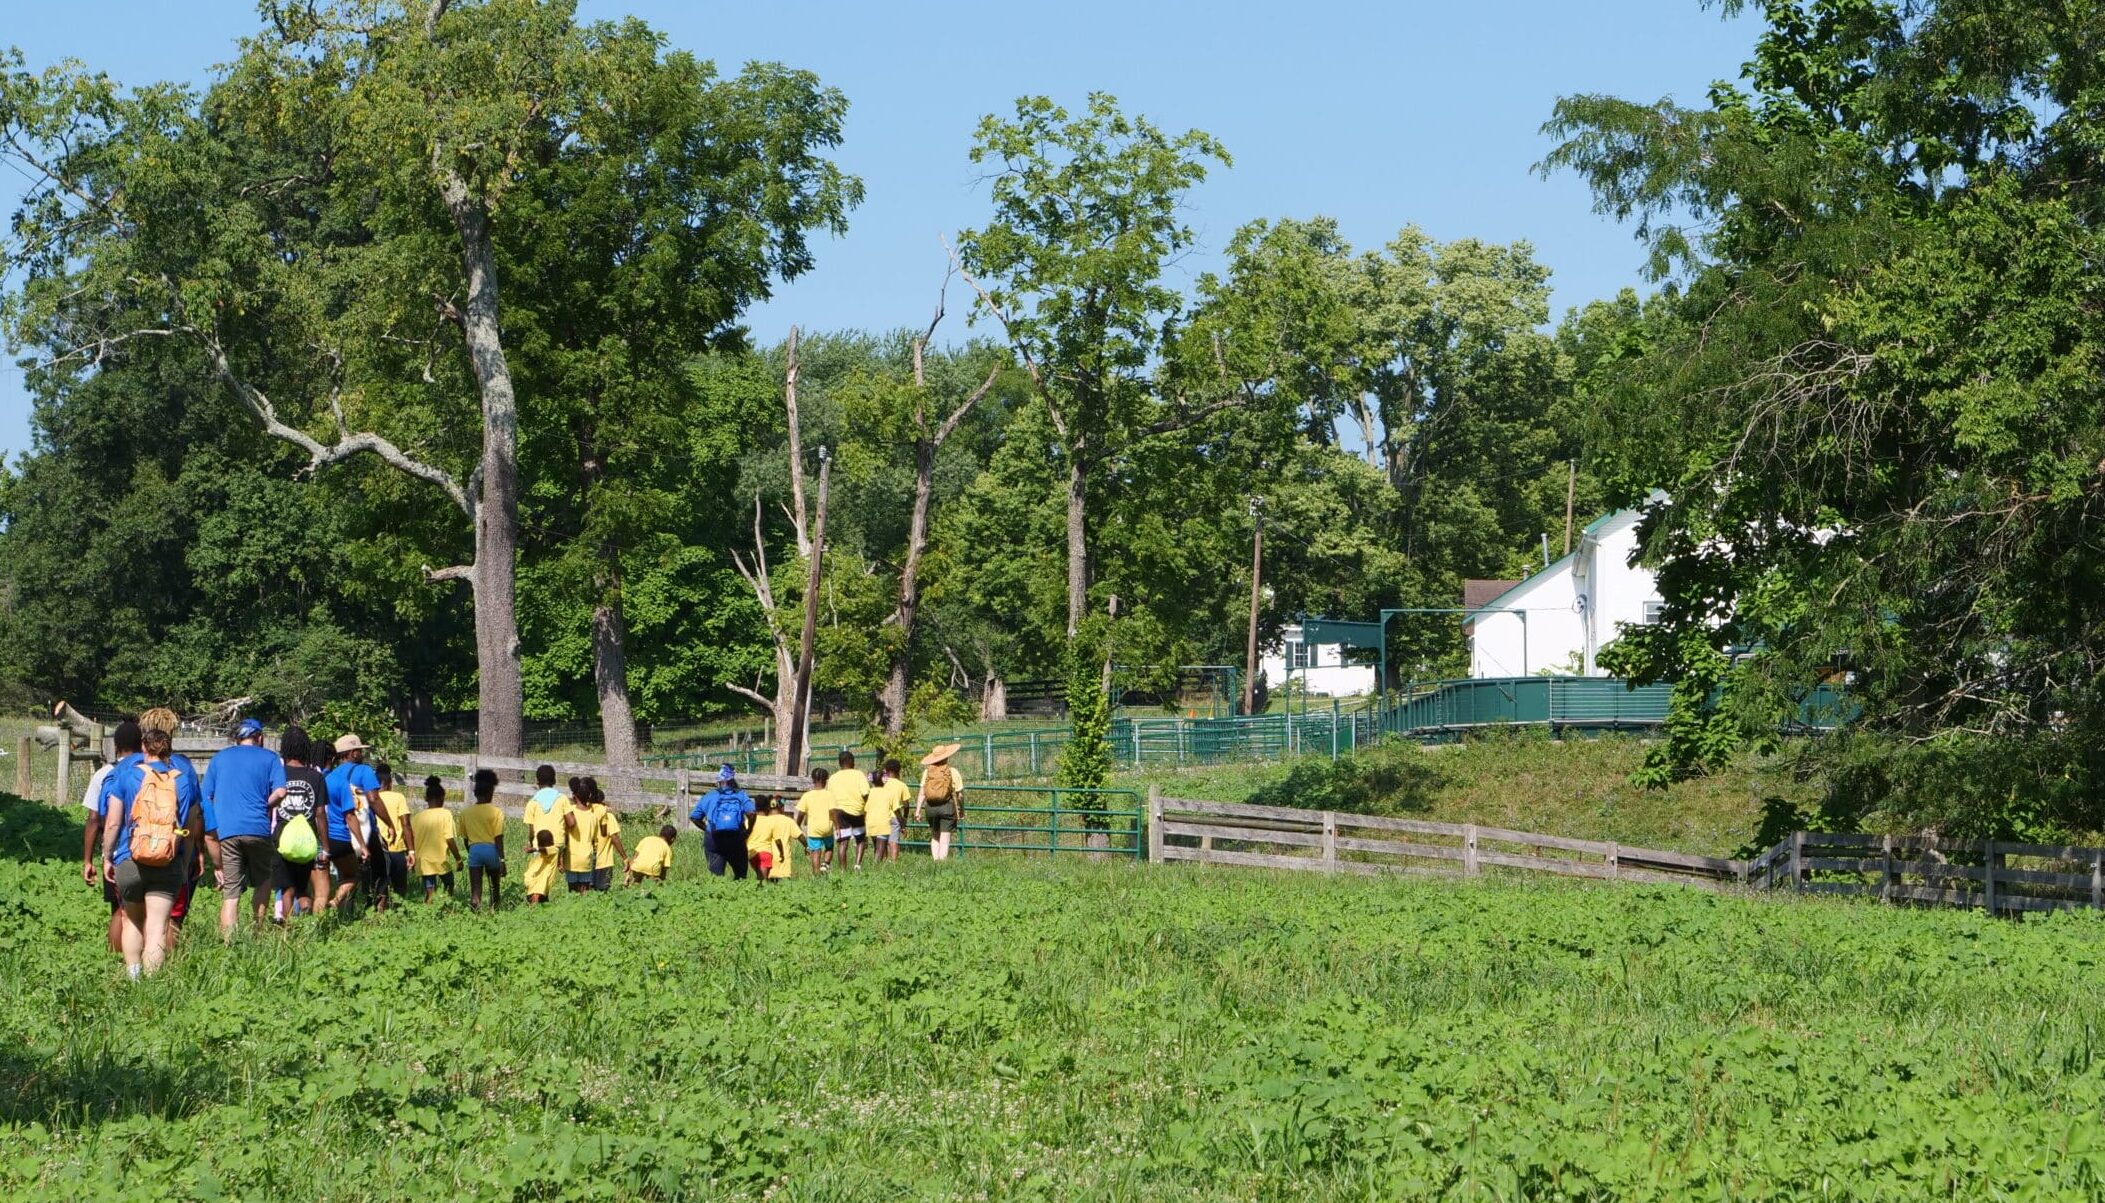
[888,799]
[653,859]
[540,866]
[606,842]
[770,842]
[437,844]
[815,808]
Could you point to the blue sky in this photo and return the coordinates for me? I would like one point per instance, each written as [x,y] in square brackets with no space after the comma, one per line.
[1377,114]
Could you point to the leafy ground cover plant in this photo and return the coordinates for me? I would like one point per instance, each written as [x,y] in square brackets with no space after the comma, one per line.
[1017,1029]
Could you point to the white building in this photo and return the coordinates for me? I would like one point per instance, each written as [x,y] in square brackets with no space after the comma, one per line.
[1322,666]
[1557,621]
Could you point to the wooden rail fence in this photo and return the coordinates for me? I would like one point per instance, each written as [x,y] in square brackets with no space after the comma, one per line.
[641,787]
[1998,876]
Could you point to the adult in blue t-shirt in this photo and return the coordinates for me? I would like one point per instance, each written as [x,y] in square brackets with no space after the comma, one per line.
[147,893]
[723,815]
[348,782]
[242,784]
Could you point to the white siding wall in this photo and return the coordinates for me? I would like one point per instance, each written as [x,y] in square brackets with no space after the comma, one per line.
[1563,632]
[1506,645]
[1326,672]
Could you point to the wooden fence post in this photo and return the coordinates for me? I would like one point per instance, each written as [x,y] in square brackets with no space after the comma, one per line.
[1886,877]
[1330,841]
[1797,861]
[1988,877]
[2097,879]
[467,784]
[1469,866]
[65,767]
[24,749]
[1615,859]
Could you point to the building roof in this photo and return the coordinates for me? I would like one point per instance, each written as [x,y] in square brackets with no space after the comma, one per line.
[1480,593]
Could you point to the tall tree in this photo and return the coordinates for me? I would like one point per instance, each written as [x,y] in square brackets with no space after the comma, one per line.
[329,227]
[1874,398]
[1086,217]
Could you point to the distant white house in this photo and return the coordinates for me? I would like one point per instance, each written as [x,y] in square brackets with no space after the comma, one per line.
[1322,666]
[1557,620]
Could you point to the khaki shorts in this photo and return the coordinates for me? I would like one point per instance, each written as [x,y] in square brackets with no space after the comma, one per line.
[135,881]
[247,862]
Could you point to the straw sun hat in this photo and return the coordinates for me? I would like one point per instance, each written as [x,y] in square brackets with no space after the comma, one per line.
[941,753]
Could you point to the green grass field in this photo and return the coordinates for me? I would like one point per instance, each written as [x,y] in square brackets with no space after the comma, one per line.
[1022,1030]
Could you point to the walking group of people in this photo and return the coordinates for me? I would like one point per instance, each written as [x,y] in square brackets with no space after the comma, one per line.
[312,827]
[846,811]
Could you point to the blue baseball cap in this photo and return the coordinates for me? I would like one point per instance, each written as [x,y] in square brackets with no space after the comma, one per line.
[726,774]
[249,727]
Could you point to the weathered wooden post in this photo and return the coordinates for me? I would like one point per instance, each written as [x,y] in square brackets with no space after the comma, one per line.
[1615,859]
[1155,824]
[1330,841]
[2097,878]
[1469,865]
[24,780]
[64,789]
[1886,881]
[1797,861]
[1988,876]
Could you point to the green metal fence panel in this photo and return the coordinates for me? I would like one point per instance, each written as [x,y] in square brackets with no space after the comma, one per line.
[1048,820]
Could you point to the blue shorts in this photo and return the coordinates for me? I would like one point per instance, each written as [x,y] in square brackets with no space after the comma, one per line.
[482,856]
[578,879]
[818,843]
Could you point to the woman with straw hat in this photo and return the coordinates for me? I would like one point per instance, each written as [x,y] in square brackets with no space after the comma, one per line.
[941,798]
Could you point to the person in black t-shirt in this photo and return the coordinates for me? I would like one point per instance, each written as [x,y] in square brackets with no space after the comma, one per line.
[306,792]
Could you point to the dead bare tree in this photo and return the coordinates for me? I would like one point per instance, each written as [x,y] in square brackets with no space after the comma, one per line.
[929,437]
[782,707]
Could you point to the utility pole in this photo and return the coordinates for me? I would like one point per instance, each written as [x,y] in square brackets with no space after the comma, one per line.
[801,726]
[1256,598]
[1571,487]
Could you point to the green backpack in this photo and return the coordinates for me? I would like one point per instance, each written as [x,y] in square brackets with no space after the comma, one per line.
[296,842]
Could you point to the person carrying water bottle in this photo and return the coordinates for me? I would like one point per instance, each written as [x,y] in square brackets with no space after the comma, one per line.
[724,814]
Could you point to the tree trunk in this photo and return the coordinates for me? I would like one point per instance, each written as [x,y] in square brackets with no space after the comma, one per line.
[893,698]
[610,670]
[994,701]
[1077,540]
[500,695]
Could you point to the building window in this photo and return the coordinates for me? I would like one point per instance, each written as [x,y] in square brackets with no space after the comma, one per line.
[1654,610]
[1299,655]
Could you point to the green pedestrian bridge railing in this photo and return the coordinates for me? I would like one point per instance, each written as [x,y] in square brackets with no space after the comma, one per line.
[1433,712]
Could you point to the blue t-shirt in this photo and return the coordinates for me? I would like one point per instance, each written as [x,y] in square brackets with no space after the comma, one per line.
[109,783]
[124,786]
[723,809]
[238,786]
[342,780]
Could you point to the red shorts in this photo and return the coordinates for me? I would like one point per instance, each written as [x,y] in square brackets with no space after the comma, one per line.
[763,861]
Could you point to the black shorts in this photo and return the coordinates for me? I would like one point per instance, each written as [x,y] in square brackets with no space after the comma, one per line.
[344,859]
[294,879]
[942,820]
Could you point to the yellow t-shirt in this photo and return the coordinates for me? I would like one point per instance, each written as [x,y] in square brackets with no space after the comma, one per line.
[886,801]
[481,823]
[653,857]
[434,829]
[398,810]
[776,833]
[545,815]
[540,872]
[603,843]
[584,842]
[851,791]
[816,808]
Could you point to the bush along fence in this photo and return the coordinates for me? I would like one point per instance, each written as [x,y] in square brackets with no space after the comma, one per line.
[2003,878]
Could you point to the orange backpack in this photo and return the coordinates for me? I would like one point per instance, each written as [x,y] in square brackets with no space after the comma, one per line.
[155,814]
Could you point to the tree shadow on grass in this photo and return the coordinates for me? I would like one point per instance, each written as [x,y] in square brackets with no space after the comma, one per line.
[64,1092]
[35,831]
